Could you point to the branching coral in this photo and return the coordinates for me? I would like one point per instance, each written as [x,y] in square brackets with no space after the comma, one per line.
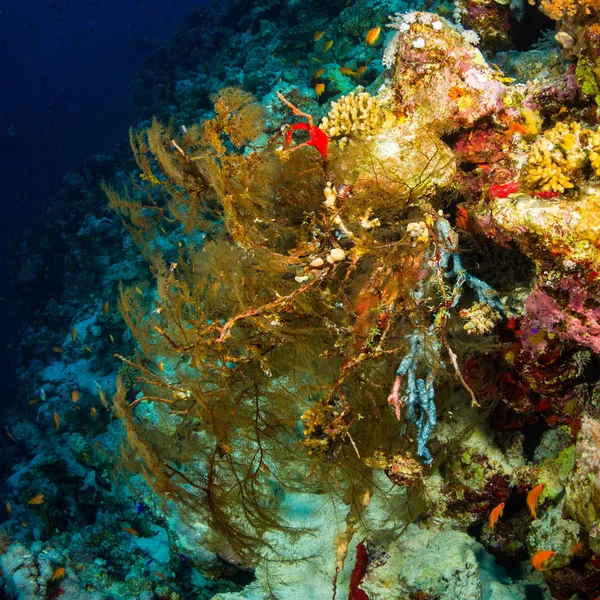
[559,156]
[418,390]
[355,115]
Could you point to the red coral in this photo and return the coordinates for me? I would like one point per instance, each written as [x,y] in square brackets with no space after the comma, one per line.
[358,573]
[505,190]
[317,138]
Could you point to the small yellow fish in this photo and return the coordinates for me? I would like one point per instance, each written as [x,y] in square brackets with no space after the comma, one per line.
[139,291]
[38,499]
[57,349]
[495,515]
[318,60]
[74,334]
[56,421]
[105,308]
[10,435]
[74,396]
[93,412]
[540,557]
[533,498]
[318,35]
[59,573]
[327,46]
[34,401]
[25,523]
[102,396]
[161,366]
[112,339]
[88,349]
[131,531]
[8,508]
[373,36]
[319,89]
[318,73]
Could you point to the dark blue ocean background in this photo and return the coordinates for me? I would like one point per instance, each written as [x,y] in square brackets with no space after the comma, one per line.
[67,79]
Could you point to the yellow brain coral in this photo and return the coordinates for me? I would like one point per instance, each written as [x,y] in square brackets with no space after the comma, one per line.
[355,114]
[557,157]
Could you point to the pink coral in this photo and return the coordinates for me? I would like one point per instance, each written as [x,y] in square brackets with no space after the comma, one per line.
[458,92]
[578,320]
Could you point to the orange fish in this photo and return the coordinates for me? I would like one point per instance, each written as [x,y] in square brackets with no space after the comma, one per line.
[74,396]
[74,334]
[34,401]
[319,89]
[495,515]
[10,435]
[328,45]
[93,412]
[575,548]
[360,70]
[56,421]
[318,35]
[131,531]
[105,308]
[533,498]
[161,575]
[516,128]
[540,557]
[59,573]
[373,35]
[347,71]
[8,508]
[318,73]
[38,499]
[57,349]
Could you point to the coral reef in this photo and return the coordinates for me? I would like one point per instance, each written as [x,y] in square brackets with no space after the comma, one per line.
[355,359]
